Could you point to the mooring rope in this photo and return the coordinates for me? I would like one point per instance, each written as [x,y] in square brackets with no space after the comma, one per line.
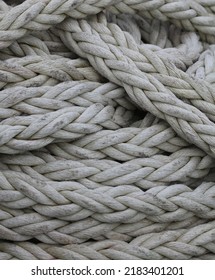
[107,134]
[180,244]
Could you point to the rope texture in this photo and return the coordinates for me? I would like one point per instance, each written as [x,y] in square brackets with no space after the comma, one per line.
[107,134]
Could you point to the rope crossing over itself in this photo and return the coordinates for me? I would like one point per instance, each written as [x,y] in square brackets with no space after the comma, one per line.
[107,129]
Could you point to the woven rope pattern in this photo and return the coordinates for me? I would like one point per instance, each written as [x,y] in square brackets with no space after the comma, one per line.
[107,134]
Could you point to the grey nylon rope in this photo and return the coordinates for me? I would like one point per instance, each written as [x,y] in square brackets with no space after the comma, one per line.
[107,135]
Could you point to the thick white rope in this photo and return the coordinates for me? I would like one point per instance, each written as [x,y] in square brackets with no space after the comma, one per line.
[42,65]
[190,15]
[115,64]
[85,171]
[37,15]
[67,203]
[204,68]
[142,172]
[181,244]
[35,71]
[36,100]
[158,33]
[39,130]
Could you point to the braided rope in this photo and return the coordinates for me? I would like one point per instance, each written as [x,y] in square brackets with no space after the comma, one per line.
[204,68]
[172,78]
[107,129]
[28,45]
[36,131]
[190,15]
[183,244]
[158,33]
[37,15]
[40,44]
[67,202]
[64,69]
[35,71]
[145,173]
[33,100]
[143,89]
[123,145]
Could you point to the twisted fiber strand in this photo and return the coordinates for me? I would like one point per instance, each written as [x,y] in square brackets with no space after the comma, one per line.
[56,200]
[35,71]
[24,108]
[52,231]
[30,101]
[20,225]
[38,43]
[188,45]
[28,224]
[129,231]
[31,15]
[145,173]
[208,5]
[54,44]
[165,35]
[21,133]
[189,15]
[180,244]
[37,15]
[157,32]
[142,139]
[122,145]
[23,225]
[162,34]
[181,53]
[64,95]
[179,201]
[201,95]
[28,45]
[204,68]
[30,164]
[34,252]
[128,204]
[18,71]
[190,123]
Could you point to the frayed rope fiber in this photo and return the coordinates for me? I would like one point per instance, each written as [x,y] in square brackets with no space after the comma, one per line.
[107,129]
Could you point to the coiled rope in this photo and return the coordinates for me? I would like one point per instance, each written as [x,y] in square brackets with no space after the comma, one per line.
[107,134]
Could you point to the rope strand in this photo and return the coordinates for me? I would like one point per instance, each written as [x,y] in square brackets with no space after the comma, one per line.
[107,129]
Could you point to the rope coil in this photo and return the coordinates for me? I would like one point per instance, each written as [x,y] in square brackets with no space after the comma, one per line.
[107,135]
